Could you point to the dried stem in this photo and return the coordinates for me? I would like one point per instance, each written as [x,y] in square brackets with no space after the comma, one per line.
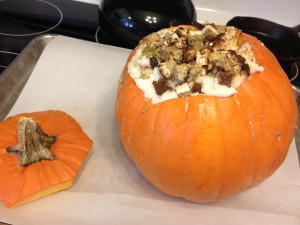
[33,145]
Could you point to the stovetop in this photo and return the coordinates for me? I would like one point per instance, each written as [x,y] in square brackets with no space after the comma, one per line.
[23,20]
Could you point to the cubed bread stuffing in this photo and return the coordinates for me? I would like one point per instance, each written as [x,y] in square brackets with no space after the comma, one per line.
[184,55]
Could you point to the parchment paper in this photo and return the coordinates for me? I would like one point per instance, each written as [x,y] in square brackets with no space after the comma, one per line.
[81,79]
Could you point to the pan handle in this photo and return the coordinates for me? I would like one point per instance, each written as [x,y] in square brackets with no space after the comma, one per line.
[297,29]
[296,71]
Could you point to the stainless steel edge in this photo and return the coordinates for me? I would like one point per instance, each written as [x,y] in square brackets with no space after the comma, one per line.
[297,133]
[15,76]
[3,223]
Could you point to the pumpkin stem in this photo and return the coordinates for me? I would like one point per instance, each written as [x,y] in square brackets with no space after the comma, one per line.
[33,145]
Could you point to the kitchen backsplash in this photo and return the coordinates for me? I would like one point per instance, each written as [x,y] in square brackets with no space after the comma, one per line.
[281,11]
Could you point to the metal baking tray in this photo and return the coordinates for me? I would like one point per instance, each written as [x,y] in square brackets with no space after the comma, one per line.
[14,78]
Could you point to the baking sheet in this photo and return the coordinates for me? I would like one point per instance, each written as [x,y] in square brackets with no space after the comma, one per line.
[14,78]
[81,79]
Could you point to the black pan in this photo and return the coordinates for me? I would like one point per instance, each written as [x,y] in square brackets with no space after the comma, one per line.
[127,22]
[283,41]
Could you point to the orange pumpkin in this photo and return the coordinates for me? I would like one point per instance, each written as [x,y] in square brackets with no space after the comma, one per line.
[206,148]
[23,181]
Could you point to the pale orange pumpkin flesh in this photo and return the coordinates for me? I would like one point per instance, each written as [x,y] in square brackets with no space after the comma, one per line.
[204,148]
[22,184]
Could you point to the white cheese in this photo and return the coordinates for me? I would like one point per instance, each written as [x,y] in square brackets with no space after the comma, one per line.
[146,86]
[165,96]
[134,70]
[143,62]
[210,86]
[156,74]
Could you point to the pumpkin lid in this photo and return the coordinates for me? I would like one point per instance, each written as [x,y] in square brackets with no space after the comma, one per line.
[191,60]
[40,154]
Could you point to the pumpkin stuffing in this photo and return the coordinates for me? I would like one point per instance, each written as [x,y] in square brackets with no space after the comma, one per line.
[205,111]
[40,154]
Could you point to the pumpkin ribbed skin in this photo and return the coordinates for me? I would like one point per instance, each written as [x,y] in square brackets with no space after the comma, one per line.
[206,148]
[20,185]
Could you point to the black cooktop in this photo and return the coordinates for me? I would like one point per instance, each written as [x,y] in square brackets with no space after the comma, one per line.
[23,20]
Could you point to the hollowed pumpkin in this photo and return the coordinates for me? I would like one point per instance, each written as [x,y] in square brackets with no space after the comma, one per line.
[205,148]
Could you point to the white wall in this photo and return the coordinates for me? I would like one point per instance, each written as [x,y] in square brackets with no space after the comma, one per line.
[286,12]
